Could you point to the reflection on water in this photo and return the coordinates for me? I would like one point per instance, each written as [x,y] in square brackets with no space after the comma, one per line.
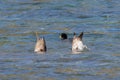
[20,19]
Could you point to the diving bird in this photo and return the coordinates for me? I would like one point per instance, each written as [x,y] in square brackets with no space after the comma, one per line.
[77,43]
[40,44]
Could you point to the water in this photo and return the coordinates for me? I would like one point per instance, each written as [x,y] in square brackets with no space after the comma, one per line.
[20,19]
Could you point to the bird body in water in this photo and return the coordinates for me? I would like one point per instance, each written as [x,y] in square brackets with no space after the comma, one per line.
[40,45]
[77,43]
[64,37]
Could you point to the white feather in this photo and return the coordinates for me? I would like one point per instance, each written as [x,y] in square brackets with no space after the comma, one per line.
[78,45]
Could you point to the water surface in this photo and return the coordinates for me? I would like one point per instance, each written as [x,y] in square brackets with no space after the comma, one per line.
[20,19]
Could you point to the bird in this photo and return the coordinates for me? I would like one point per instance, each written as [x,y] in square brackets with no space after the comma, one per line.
[63,36]
[77,43]
[40,45]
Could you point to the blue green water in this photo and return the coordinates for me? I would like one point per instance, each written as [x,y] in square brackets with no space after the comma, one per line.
[20,19]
